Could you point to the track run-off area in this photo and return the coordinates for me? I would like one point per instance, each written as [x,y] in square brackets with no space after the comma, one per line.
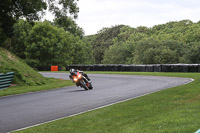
[21,111]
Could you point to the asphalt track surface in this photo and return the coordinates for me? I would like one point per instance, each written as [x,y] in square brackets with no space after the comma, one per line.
[25,110]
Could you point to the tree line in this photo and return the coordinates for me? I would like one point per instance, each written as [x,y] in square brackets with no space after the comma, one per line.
[173,42]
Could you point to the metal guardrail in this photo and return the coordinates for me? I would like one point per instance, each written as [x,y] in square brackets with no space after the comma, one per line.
[6,79]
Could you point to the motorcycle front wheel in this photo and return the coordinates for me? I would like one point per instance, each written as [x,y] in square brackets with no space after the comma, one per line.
[84,85]
[90,86]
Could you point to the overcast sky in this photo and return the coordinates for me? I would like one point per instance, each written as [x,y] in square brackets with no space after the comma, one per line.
[96,14]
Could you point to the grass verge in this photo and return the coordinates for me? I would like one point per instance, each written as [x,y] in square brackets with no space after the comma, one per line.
[173,110]
[51,84]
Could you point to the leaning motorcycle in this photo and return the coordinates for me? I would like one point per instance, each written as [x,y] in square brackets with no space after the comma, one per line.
[82,81]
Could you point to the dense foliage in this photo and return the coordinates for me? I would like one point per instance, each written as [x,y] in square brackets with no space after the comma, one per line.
[103,40]
[48,45]
[173,42]
[69,25]
[12,10]
[45,44]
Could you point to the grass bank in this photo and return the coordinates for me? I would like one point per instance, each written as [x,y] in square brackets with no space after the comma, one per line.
[174,110]
[24,74]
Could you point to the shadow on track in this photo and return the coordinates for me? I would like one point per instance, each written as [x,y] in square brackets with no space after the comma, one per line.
[77,91]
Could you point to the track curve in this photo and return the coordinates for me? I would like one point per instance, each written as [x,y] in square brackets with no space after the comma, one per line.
[29,109]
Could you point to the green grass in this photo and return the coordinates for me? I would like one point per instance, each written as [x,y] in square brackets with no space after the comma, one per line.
[24,74]
[173,110]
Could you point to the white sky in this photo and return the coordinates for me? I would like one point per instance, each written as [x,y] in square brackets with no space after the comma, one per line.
[96,14]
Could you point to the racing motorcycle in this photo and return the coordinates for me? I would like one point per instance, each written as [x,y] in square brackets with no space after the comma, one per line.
[81,80]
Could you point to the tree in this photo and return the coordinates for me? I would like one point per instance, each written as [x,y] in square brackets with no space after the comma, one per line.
[12,10]
[2,36]
[69,25]
[119,53]
[103,40]
[125,33]
[48,45]
[151,51]
[82,52]
[193,53]
[160,56]
[20,34]
[193,35]
[63,8]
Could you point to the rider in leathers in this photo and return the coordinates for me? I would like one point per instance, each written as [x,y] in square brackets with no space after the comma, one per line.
[73,71]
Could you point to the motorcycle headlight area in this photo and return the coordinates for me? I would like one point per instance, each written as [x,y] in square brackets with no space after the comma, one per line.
[75,79]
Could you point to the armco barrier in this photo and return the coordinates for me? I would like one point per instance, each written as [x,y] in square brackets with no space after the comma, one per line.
[149,68]
[139,68]
[6,79]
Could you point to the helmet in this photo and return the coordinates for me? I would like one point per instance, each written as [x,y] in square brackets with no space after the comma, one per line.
[72,70]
